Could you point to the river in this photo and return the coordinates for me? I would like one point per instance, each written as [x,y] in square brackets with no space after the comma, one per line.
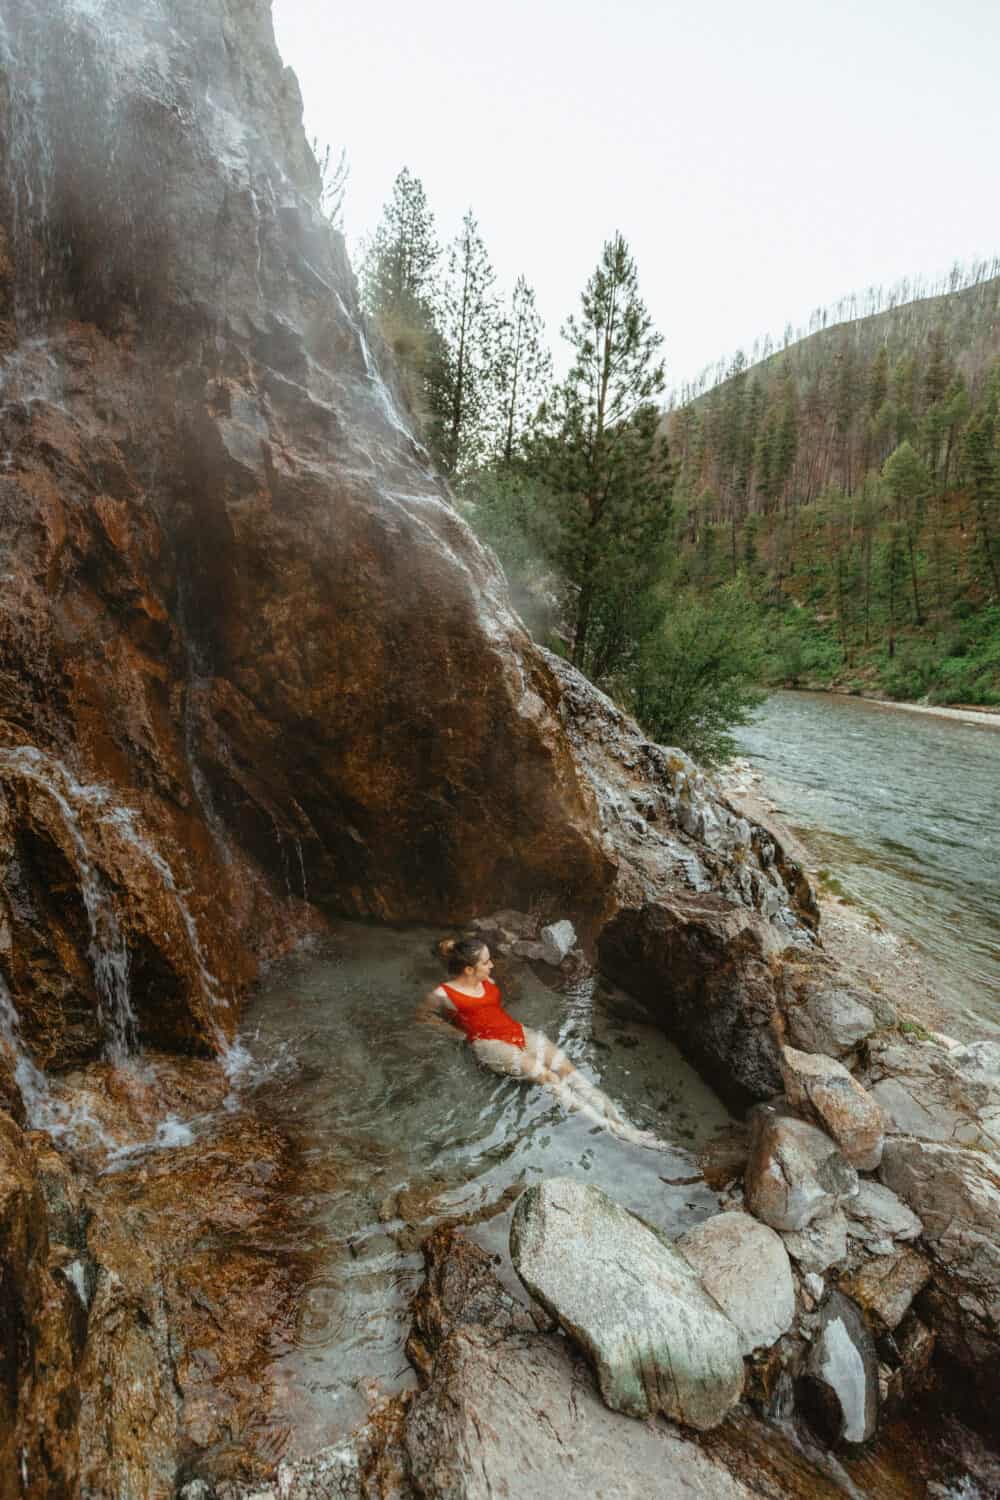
[903,810]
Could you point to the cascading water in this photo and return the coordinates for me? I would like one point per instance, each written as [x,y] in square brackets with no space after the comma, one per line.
[109,955]
[109,952]
[30,1079]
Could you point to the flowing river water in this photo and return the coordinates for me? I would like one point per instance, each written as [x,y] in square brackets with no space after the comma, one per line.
[399,1128]
[903,810]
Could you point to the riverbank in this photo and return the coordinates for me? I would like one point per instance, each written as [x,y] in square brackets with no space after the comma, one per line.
[960,713]
[867,951]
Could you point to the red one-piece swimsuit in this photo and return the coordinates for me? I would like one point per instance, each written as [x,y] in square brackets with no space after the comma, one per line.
[483,1018]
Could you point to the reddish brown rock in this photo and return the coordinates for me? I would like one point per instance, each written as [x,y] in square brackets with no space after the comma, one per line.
[706,970]
[823,1090]
[41,1331]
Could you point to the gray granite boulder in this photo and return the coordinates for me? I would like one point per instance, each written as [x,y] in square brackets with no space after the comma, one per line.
[558,940]
[521,1419]
[819,1245]
[795,1173]
[656,1339]
[830,1018]
[745,1267]
[843,1365]
[824,1090]
[879,1218]
[937,1089]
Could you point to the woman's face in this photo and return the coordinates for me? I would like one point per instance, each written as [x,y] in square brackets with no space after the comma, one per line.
[482,969]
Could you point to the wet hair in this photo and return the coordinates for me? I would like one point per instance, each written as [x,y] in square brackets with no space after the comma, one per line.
[460,953]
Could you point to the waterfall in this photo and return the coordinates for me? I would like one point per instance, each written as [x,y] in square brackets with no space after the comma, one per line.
[109,954]
[30,1079]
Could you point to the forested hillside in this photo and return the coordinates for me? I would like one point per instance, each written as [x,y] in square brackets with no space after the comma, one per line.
[853,477]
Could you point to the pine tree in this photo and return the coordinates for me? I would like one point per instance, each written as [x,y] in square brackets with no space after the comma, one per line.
[605,462]
[462,370]
[981,465]
[522,370]
[397,282]
[398,269]
[909,484]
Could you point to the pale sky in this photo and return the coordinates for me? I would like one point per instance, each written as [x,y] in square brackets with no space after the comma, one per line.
[760,158]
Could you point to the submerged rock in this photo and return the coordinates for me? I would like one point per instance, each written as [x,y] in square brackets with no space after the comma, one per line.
[631,1302]
[744,1266]
[823,1088]
[795,1173]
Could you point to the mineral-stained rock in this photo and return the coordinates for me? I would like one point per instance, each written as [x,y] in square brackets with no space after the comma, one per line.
[824,1089]
[632,1303]
[459,1287]
[820,1244]
[957,1196]
[795,1173]
[885,1286]
[843,1371]
[41,1333]
[744,1266]
[702,967]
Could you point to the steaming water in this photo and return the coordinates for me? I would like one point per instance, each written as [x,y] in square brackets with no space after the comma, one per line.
[400,1128]
[905,811]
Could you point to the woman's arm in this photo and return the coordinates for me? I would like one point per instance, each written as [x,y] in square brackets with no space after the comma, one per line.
[437,1010]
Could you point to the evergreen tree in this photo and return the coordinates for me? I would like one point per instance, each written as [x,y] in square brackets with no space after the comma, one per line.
[399,265]
[397,282]
[981,464]
[909,484]
[605,462]
[462,369]
[522,369]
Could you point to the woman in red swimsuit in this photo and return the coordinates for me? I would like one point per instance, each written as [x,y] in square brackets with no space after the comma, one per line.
[470,1003]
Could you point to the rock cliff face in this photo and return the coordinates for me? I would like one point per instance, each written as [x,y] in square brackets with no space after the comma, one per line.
[236,598]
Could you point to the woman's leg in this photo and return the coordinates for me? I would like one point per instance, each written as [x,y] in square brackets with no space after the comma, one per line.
[550,1066]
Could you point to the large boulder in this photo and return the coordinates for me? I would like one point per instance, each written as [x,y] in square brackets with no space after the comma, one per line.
[829,1017]
[657,1341]
[956,1193]
[937,1089]
[841,1382]
[795,1173]
[823,1089]
[745,1267]
[704,968]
